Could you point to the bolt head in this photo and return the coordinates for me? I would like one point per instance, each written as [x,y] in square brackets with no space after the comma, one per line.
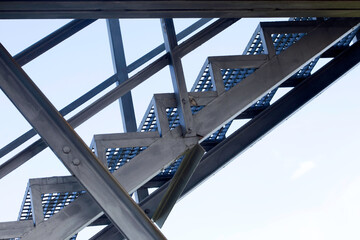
[66,149]
[76,161]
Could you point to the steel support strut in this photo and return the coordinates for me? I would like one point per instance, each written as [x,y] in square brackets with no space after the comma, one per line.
[178,78]
[178,184]
[73,152]
[120,68]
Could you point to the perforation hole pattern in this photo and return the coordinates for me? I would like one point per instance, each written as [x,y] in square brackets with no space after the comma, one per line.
[149,124]
[204,83]
[231,77]
[172,168]
[256,47]
[25,212]
[117,157]
[53,202]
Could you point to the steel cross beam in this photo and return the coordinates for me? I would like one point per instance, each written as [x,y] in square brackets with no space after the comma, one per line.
[254,130]
[51,40]
[73,152]
[178,78]
[178,8]
[120,68]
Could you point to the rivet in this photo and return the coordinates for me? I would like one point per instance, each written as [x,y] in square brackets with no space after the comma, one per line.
[66,149]
[76,161]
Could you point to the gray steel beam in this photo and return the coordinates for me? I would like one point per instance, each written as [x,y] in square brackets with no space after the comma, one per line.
[182,49]
[56,184]
[181,35]
[22,157]
[110,232]
[51,40]
[245,61]
[36,204]
[141,194]
[203,36]
[124,140]
[162,120]
[178,9]
[73,152]
[255,129]
[120,68]
[178,183]
[15,229]
[270,75]
[290,26]
[178,78]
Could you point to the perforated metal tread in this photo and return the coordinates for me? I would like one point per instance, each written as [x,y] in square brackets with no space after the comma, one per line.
[52,203]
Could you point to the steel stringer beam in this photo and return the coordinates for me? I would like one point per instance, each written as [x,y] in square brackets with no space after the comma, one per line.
[73,152]
[254,130]
[270,75]
[178,8]
[16,229]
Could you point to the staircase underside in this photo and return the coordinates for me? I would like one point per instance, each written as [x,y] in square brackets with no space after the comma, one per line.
[184,136]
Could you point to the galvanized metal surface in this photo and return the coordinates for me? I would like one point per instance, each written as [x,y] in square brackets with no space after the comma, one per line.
[166,112]
[179,9]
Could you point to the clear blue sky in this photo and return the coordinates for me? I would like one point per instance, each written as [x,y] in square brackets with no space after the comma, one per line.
[301,181]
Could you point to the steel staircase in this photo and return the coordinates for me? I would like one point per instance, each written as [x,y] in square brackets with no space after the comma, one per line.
[227,88]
